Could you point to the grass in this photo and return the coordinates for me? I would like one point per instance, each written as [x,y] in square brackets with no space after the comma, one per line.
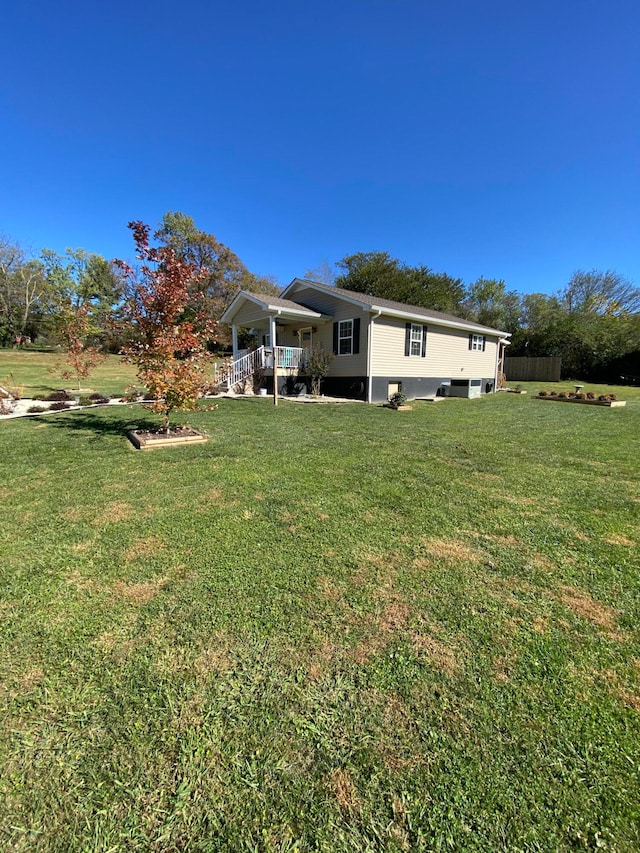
[330,628]
[36,373]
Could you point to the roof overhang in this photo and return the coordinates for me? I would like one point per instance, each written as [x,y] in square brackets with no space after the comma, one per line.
[271,309]
[437,321]
[370,306]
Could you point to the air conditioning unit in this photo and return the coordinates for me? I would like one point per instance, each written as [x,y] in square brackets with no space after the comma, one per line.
[469,388]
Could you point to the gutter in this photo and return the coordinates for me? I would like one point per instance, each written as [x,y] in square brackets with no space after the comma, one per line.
[436,321]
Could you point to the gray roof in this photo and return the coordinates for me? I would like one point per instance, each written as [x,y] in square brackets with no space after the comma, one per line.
[269,302]
[375,302]
[277,302]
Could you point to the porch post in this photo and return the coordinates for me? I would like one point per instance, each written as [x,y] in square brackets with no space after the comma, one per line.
[234,340]
[272,330]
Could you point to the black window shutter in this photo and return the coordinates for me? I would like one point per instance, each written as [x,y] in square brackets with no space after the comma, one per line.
[470,341]
[356,336]
[407,339]
[424,341]
[335,339]
[484,341]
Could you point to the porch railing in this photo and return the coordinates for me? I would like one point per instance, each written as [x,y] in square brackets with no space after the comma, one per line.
[260,359]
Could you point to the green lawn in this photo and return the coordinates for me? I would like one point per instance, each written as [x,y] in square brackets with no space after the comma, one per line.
[333,627]
[40,373]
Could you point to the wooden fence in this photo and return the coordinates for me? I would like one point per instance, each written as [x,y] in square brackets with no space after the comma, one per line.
[539,369]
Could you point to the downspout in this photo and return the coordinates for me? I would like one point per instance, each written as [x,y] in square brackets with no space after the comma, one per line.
[502,343]
[370,357]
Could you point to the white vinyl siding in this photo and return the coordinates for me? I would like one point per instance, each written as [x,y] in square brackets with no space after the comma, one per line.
[249,315]
[447,353]
[337,309]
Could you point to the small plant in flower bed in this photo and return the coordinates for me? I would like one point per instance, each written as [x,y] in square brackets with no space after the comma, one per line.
[132,394]
[591,395]
[33,410]
[59,405]
[563,395]
[210,389]
[543,393]
[58,396]
[98,399]
[398,399]
[607,398]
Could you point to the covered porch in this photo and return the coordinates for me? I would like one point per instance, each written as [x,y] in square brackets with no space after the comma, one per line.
[282,331]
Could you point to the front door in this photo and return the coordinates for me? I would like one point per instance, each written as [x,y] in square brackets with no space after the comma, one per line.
[306,337]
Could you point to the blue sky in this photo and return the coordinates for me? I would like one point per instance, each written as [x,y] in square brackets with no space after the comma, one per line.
[479,137]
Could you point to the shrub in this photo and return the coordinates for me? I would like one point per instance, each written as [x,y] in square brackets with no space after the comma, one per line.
[32,410]
[317,362]
[210,389]
[398,399]
[59,405]
[543,393]
[85,401]
[99,398]
[57,396]
[132,394]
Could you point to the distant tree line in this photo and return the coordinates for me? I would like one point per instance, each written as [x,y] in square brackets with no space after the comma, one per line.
[593,322]
[41,295]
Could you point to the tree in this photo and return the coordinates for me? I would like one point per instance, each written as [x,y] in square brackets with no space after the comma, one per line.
[378,274]
[603,293]
[591,323]
[323,273]
[169,329]
[85,279]
[74,328]
[23,288]
[438,291]
[491,304]
[225,273]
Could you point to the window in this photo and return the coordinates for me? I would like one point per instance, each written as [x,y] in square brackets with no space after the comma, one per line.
[477,342]
[416,340]
[345,337]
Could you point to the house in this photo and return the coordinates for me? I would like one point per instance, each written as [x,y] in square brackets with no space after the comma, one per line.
[379,346]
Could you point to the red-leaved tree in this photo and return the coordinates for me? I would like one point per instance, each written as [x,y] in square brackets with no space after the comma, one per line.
[168,333]
[74,328]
